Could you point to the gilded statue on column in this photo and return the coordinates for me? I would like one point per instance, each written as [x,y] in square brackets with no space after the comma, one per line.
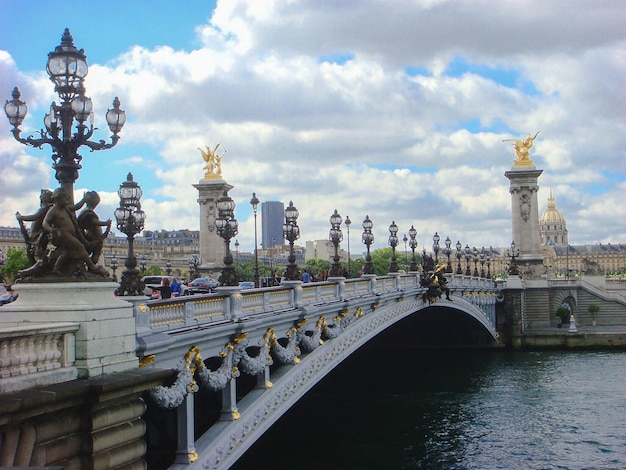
[213,162]
[522,149]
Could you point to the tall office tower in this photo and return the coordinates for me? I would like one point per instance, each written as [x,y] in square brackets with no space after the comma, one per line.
[272,218]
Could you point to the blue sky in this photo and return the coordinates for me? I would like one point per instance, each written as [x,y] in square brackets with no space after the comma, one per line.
[392,109]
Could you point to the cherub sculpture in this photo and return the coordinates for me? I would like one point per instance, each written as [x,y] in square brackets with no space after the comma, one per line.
[91,225]
[37,239]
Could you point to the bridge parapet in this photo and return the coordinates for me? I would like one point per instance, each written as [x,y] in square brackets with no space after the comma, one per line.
[41,354]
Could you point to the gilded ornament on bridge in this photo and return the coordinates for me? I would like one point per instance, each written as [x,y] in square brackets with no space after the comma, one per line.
[522,150]
[213,162]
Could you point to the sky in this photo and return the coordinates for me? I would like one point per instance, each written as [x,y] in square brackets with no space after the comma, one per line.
[393,109]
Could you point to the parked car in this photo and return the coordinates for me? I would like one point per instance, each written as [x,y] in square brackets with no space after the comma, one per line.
[202,285]
[246,285]
[151,282]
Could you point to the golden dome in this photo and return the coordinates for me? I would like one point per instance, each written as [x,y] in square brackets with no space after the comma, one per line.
[552,214]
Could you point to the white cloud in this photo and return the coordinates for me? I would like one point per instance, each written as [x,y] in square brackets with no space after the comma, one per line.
[361,134]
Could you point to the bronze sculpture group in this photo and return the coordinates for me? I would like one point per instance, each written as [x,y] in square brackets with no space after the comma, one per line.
[433,279]
[76,241]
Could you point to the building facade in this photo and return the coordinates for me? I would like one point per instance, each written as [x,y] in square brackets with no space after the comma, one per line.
[272,218]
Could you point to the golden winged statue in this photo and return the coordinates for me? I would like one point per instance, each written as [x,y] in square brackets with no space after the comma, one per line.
[213,161]
[522,149]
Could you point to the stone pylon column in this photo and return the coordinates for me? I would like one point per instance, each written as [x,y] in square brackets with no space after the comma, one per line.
[210,189]
[212,248]
[523,187]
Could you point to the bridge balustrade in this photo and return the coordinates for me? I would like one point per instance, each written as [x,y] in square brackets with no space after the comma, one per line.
[28,350]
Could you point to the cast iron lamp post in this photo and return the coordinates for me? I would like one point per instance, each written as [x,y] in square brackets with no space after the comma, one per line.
[447,251]
[130,221]
[114,267]
[227,227]
[67,69]
[413,246]
[368,239]
[482,261]
[254,202]
[513,253]
[193,262]
[291,231]
[459,253]
[475,259]
[468,255]
[436,239]
[488,259]
[335,235]
[393,242]
[348,222]
[168,268]
[142,264]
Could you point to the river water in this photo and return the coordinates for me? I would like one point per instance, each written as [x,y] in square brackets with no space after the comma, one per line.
[456,409]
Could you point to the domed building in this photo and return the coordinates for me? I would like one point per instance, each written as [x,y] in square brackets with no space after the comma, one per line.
[552,226]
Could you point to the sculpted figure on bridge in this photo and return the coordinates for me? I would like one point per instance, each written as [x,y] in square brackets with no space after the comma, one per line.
[213,161]
[522,149]
[433,278]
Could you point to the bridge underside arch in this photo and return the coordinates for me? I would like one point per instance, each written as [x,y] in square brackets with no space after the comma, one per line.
[436,326]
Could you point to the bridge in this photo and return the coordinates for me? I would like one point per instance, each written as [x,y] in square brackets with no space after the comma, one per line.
[90,381]
[256,352]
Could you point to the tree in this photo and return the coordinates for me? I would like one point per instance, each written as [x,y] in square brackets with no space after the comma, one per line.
[16,261]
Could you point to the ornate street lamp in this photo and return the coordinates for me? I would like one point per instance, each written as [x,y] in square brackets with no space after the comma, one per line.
[475,259]
[468,255]
[254,202]
[406,256]
[413,246]
[227,227]
[368,239]
[513,253]
[436,239]
[348,222]
[237,250]
[447,251]
[488,258]
[291,231]
[194,261]
[114,267]
[335,236]
[130,221]
[142,264]
[459,254]
[482,262]
[168,268]
[393,242]
[67,69]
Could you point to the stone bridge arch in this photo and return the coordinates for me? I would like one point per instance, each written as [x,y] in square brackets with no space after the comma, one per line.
[226,440]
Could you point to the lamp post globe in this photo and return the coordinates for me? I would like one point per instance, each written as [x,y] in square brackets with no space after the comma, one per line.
[368,239]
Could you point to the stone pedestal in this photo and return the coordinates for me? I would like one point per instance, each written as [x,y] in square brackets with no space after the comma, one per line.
[105,339]
[212,247]
[525,219]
